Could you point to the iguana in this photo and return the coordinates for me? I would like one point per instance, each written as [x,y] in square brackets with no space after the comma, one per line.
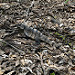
[35,34]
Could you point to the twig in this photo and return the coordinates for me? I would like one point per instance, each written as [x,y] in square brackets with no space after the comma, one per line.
[42,64]
[29,9]
[1,40]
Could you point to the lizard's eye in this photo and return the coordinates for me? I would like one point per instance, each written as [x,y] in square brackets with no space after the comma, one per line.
[21,26]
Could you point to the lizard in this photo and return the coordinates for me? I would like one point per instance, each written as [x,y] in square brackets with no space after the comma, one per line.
[35,34]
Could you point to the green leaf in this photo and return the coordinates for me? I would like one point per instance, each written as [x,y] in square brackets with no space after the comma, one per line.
[70,44]
[57,33]
[52,73]
[63,38]
[66,1]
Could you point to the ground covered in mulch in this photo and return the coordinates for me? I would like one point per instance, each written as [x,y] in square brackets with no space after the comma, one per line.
[21,55]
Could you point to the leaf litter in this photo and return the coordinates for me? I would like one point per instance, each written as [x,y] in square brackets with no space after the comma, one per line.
[22,55]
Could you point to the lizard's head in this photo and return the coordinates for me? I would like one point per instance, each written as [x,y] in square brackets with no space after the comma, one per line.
[20,26]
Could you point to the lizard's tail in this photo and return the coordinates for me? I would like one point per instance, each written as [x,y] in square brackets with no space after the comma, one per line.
[47,40]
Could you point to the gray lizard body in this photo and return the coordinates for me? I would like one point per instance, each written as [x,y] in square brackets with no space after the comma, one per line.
[34,34]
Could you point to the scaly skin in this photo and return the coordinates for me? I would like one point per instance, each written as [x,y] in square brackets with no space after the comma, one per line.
[34,34]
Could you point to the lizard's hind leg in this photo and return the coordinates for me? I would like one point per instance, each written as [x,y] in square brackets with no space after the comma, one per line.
[37,41]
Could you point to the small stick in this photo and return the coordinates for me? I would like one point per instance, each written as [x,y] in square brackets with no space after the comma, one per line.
[1,40]
[30,7]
